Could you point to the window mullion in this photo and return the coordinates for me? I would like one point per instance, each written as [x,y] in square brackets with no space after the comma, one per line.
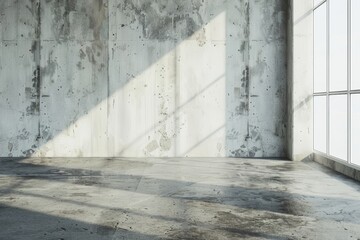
[349,83]
[327,77]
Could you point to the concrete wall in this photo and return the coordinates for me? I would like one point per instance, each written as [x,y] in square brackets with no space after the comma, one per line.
[300,75]
[143,78]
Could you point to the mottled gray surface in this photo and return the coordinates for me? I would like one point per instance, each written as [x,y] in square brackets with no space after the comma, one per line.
[300,80]
[143,78]
[178,198]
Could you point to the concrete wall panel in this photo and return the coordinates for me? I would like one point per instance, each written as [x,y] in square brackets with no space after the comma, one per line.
[143,78]
[300,75]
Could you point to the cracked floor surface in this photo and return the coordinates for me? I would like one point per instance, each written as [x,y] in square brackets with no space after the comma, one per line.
[175,198]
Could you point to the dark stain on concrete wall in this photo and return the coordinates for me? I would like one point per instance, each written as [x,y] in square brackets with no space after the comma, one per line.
[34,94]
[243,107]
[70,15]
[61,21]
[164,20]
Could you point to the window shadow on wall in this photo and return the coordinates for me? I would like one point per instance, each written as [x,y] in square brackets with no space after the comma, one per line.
[148,78]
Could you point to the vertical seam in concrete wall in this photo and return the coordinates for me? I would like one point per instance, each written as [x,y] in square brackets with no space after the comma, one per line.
[247,66]
[38,68]
[176,101]
[108,82]
[289,50]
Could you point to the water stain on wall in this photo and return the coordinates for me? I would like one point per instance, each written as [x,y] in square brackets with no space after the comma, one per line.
[34,94]
[243,95]
[163,20]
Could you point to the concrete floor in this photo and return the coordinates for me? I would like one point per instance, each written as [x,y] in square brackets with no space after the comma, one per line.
[193,198]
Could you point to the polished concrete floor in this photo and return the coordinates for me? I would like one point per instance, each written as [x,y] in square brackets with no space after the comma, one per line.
[192,198]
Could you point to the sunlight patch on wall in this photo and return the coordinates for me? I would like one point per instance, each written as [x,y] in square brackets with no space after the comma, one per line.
[175,107]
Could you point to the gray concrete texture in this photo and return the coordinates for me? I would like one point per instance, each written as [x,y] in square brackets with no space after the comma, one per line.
[143,78]
[300,80]
[179,198]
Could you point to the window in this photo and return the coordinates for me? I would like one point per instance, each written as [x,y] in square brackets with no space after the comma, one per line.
[355,128]
[320,49]
[337,79]
[337,45]
[355,48]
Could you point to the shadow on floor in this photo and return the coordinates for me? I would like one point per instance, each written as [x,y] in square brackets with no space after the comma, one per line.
[260,195]
[32,225]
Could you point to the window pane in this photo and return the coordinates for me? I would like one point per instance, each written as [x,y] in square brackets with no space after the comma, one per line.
[320,123]
[338,126]
[355,46]
[338,45]
[320,49]
[355,129]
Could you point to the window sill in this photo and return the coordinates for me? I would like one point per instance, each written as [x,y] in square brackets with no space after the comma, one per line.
[343,167]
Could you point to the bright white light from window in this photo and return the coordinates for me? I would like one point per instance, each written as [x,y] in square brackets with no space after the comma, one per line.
[320,49]
[338,126]
[320,123]
[355,127]
[338,45]
[355,46]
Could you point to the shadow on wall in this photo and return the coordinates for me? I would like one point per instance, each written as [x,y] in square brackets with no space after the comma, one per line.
[143,78]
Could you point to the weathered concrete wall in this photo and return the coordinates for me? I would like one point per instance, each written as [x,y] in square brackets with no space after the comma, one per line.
[300,84]
[143,78]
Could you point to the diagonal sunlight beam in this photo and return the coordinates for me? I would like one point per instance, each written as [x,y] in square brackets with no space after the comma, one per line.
[159,130]
[73,56]
[172,114]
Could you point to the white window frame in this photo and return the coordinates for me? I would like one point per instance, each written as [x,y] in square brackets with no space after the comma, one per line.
[349,92]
